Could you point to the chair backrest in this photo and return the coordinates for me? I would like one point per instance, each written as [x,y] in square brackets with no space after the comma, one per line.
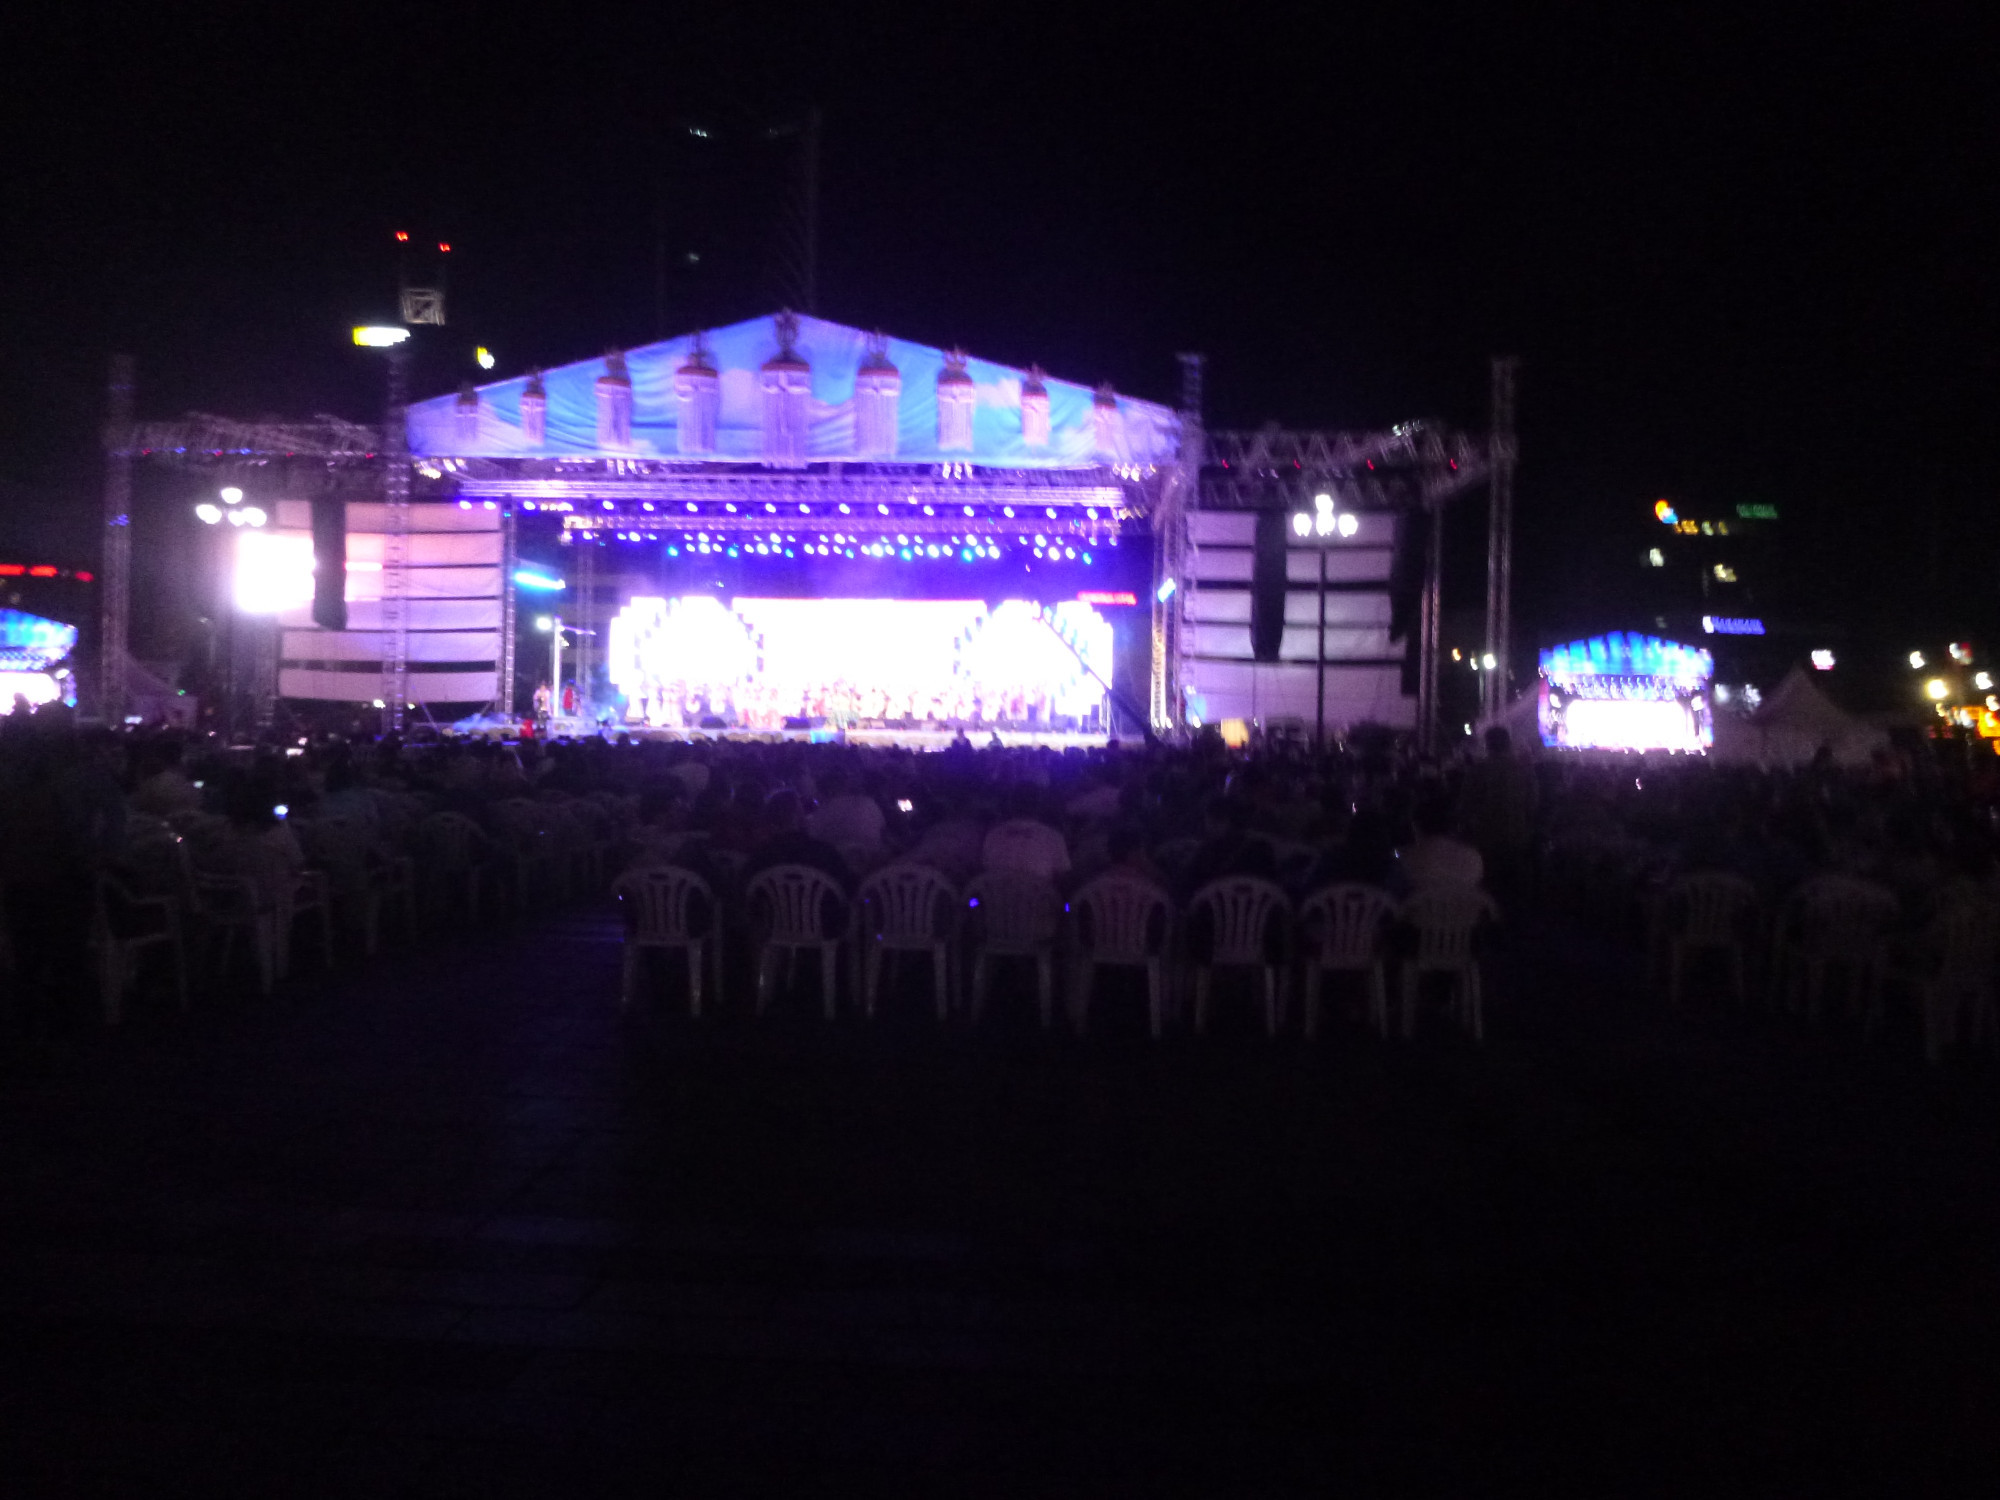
[1174,855]
[450,840]
[1445,919]
[1342,924]
[905,903]
[1122,918]
[1240,911]
[1965,936]
[1840,916]
[668,904]
[1013,911]
[1706,907]
[791,903]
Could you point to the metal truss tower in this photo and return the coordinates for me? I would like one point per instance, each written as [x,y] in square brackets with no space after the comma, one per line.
[1499,540]
[396,544]
[115,602]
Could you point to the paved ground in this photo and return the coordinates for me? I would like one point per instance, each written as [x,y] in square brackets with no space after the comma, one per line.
[450,1225]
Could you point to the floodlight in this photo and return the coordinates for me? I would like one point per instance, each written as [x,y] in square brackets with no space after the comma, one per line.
[1166,591]
[210,514]
[1349,523]
[543,622]
[252,516]
[1916,661]
[1935,688]
[1822,660]
[380,337]
[1488,662]
[1323,523]
[1983,681]
[231,495]
[1323,502]
[1302,523]
[485,357]
[532,580]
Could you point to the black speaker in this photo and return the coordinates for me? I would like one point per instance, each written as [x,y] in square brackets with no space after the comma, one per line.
[329,523]
[1267,586]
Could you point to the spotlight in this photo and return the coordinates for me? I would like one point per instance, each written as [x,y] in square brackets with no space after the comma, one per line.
[210,514]
[484,356]
[1349,523]
[380,338]
[231,495]
[1302,523]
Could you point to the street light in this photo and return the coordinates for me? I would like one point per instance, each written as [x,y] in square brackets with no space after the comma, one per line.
[1936,688]
[1320,526]
[380,337]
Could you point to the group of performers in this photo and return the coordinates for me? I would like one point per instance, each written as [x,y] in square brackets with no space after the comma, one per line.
[756,703]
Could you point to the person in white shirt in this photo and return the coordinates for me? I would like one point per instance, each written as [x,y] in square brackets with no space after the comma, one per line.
[845,818]
[1436,858]
[1024,843]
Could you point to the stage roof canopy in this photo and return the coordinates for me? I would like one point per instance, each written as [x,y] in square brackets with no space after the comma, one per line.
[833,356]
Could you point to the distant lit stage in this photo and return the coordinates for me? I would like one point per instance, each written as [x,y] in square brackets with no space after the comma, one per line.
[925,739]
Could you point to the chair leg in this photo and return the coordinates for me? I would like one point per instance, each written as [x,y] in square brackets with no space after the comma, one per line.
[1045,986]
[871,984]
[941,977]
[979,963]
[713,944]
[829,964]
[696,959]
[630,974]
[1410,977]
[112,979]
[1314,978]
[1155,984]
[764,956]
[1202,979]
[1378,1000]
[1475,1008]
[1270,1001]
[1079,1002]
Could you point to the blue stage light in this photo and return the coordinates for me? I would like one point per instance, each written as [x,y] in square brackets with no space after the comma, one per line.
[1086,557]
[538,581]
[906,554]
[788,552]
[693,509]
[732,552]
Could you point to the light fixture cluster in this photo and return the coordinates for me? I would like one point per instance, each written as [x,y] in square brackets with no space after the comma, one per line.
[232,510]
[1323,521]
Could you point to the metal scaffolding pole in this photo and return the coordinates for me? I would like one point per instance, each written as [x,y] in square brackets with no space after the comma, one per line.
[1427,665]
[585,624]
[503,697]
[396,543]
[1499,539]
[114,620]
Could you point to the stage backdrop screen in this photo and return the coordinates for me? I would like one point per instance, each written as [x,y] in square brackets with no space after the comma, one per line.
[756,663]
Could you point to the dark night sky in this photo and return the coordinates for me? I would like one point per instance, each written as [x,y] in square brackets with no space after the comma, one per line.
[1742,257]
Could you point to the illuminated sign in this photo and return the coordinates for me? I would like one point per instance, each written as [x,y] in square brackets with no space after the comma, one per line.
[1092,596]
[1757,512]
[1664,509]
[1731,625]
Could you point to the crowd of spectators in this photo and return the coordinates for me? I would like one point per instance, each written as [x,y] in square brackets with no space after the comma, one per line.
[71,797]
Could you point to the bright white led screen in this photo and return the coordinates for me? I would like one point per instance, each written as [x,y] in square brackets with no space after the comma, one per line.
[757,662]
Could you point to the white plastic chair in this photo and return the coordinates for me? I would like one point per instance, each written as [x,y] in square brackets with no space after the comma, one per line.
[1832,923]
[231,904]
[1011,914]
[1122,921]
[453,851]
[124,925]
[1952,972]
[308,894]
[788,907]
[1445,920]
[662,912]
[1340,932]
[1239,912]
[1707,911]
[905,909]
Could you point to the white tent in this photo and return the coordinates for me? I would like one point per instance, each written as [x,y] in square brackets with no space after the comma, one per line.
[1795,719]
